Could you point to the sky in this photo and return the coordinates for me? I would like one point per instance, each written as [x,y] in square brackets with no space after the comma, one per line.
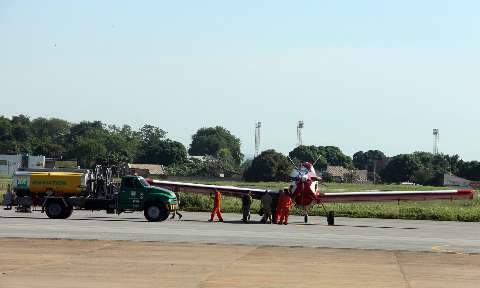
[360,74]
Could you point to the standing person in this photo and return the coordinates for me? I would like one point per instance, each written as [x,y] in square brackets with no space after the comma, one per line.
[266,202]
[216,207]
[176,211]
[8,198]
[284,204]
[275,209]
[246,203]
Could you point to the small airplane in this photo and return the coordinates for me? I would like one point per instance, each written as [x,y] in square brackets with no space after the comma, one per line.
[305,192]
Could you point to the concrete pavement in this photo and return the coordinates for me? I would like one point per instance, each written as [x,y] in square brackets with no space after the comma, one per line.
[378,234]
[75,263]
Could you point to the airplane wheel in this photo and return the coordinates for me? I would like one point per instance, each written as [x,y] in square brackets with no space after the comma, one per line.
[305,218]
[331,218]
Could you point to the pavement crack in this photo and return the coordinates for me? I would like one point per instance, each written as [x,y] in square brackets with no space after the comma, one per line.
[402,271]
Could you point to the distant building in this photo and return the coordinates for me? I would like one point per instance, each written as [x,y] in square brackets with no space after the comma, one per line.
[337,173]
[146,170]
[341,174]
[455,181]
[199,158]
[11,163]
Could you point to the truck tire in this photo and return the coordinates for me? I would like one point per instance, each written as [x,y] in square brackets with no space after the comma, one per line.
[56,210]
[68,213]
[155,212]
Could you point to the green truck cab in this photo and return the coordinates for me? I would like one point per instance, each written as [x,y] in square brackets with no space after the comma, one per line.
[135,194]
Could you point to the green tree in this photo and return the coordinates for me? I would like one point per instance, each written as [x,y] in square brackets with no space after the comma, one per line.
[401,168]
[335,156]
[5,129]
[170,152]
[213,141]
[52,130]
[470,170]
[151,135]
[49,136]
[309,154]
[121,144]
[86,129]
[88,152]
[269,166]
[49,149]
[370,160]
[154,149]
[21,133]
[360,160]
[7,143]
[84,139]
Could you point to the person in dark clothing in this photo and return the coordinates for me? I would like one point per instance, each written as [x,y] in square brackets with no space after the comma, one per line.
[246,203]
[266,202]
[274,206]
[176,211]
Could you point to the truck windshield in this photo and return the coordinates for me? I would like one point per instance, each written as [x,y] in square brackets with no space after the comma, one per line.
[143,182]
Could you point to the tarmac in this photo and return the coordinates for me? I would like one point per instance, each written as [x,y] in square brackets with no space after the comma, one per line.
[79,263]
[127,251]
[378,234]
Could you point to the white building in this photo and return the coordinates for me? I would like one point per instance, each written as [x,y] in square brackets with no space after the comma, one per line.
[10,163]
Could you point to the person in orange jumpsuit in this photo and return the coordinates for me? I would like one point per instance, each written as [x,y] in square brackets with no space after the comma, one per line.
[284,203]
[216,207]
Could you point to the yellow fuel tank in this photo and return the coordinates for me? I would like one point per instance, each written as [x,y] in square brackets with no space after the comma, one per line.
[41,182]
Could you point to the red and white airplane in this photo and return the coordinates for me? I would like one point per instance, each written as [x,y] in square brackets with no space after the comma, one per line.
[305,192]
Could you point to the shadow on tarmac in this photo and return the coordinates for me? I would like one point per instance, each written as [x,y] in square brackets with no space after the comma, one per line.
[103,219]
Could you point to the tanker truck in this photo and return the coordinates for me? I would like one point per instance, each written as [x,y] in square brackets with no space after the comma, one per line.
[58,193]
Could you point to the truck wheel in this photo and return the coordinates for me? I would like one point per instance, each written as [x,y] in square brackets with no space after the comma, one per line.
[155,212]
[55,210]
[68,213]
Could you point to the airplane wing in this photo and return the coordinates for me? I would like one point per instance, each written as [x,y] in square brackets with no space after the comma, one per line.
[375,196]
[208,189]
[396,196]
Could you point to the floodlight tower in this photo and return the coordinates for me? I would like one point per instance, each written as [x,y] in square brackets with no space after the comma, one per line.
[299,133]
[436,138]
[258,125]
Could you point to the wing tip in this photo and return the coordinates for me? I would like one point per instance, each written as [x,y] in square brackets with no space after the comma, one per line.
[465,191]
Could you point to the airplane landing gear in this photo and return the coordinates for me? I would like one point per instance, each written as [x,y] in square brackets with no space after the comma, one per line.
[331,218]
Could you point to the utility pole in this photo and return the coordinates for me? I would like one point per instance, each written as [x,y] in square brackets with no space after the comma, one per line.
[436,139]
[258,125]
[299,133]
